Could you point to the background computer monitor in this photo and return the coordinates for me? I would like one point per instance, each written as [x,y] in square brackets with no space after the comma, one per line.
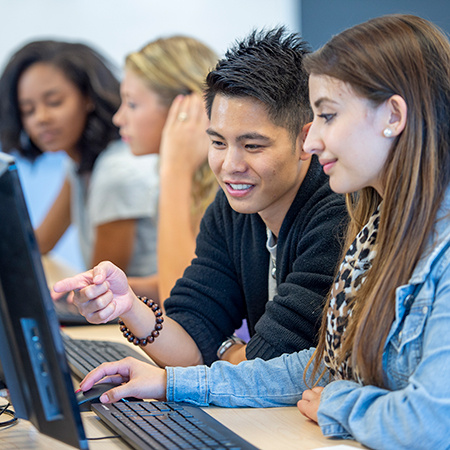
[33,363]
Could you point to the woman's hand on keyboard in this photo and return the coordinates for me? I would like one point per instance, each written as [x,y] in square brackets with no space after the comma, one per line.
[101,294]
[134,378]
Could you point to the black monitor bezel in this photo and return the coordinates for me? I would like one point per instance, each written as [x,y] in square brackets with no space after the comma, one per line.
[35,369]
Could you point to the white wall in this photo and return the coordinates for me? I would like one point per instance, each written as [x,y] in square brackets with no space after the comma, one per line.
[116,27]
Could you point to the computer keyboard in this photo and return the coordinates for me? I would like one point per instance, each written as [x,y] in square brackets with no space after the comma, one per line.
[84,355]
[167,425]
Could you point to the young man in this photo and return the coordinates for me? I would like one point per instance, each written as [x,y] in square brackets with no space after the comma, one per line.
[268,245]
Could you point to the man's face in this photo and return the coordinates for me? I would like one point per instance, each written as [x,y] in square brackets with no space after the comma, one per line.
[256,162]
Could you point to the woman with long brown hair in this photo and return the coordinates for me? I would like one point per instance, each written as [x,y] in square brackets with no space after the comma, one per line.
[380,94]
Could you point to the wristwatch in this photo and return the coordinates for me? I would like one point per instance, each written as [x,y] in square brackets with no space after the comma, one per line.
[232,340]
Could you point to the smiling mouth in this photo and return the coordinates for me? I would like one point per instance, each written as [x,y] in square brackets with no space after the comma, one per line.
[239,190]
[48,136]
[240,187]
[327,165]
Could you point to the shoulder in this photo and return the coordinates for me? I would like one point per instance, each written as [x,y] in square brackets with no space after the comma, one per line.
[436,257]
[221,223]
[118,156]
[116,165]
[221,211]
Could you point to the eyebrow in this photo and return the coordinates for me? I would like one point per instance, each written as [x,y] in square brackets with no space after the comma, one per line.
[242,137]
[47,94]
[321,100]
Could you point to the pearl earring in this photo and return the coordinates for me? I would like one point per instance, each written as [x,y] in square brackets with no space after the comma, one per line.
[387,132]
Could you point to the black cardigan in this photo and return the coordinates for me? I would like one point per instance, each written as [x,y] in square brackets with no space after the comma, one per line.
[228,280]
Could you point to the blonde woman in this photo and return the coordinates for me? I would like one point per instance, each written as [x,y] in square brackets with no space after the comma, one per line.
[162,112]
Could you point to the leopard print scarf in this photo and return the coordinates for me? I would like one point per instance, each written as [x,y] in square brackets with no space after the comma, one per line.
[351,275]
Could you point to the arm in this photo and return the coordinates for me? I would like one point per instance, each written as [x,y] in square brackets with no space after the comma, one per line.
[184,147]
[56,221]
[235,354]
[208,300]
[103,294]
[414,412]
[114,242]
[257,383]
[146,286]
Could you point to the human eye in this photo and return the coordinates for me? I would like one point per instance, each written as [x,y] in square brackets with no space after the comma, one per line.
[217,144]
[253,146]
[131,105]
[327,117]
[55,103]
[26,112]
[54,100]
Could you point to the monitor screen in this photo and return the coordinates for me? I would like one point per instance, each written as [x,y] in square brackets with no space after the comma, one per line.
[33,363]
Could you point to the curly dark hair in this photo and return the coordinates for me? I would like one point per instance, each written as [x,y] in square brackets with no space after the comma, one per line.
[268,66]
[88,71]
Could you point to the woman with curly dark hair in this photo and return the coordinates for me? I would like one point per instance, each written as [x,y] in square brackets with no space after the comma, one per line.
[62,96]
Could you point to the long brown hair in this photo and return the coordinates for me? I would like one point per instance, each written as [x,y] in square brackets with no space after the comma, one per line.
[410,57]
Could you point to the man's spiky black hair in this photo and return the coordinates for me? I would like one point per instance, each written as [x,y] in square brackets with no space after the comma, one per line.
[267,66]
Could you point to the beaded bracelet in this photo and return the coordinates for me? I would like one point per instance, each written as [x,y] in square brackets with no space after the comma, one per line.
[127,334]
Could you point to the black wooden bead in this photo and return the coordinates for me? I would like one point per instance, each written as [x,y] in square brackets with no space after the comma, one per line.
[154,334]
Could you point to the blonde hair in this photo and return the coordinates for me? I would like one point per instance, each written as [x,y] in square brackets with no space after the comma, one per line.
[173,66]
[407,56]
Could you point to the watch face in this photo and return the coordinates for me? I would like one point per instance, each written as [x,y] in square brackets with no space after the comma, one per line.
[227,344]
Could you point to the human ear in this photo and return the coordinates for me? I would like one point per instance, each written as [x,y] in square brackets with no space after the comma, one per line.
[397,112]
[302,137]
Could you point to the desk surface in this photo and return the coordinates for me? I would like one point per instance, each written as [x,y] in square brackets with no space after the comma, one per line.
[268,428]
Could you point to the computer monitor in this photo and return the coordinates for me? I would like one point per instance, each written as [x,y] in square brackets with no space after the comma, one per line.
[33,363]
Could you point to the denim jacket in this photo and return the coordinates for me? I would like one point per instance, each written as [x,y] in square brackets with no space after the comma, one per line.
[414,410]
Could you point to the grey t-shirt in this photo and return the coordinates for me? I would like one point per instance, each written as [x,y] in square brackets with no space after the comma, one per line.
[121,186]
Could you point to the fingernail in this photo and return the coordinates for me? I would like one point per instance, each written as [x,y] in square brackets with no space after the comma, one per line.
[104,398]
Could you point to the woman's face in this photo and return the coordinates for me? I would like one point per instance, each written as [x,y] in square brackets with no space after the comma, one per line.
[141,116]
[52,108]
[347,135]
